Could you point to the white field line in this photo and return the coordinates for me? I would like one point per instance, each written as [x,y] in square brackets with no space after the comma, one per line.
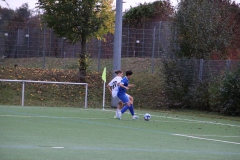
[194,137]
[212,136]
[197,121]
[190,120]
[174,121]
[49,117]
[58,147]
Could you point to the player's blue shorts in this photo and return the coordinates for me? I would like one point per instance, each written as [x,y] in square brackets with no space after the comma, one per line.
[124,98]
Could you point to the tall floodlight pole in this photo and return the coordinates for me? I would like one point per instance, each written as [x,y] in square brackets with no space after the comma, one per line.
[117,46]
[117,37]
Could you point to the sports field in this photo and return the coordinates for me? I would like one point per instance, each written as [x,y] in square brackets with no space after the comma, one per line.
[58,133]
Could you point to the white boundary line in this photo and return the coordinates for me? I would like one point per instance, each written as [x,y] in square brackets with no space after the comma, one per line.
[216,140]
[212,136]
[208,122]
[48,117]
[58,147]
[190,120]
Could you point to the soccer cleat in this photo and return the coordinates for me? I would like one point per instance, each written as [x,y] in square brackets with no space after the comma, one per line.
[135,117]
[115,117]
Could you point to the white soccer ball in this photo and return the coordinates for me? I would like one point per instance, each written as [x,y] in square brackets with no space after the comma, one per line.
[147,117]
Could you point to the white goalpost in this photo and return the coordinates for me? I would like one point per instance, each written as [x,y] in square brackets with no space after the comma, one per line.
[47,82]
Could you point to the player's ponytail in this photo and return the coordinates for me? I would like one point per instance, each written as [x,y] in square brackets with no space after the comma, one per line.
[118,71]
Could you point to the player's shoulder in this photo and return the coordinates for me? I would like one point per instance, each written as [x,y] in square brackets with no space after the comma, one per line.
[117,78]
[124,78]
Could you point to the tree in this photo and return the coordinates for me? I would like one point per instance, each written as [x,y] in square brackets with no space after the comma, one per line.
[156,11]
[233,11]
[5,16]
[79,20]
[23,13]
[203,27]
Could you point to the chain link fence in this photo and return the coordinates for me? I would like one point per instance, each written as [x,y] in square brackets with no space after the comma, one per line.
[152,41]
[204,70]
[145,47]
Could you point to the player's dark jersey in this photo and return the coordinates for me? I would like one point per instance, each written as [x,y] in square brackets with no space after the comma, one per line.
[121,90]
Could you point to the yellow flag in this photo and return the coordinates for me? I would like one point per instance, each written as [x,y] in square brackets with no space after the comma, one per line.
[104,76]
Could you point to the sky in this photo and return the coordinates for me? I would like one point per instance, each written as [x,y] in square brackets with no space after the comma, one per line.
[13,4]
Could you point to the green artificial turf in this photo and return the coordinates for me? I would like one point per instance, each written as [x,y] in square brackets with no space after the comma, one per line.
[59,133]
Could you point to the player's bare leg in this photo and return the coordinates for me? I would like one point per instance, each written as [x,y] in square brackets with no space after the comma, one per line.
[131,99]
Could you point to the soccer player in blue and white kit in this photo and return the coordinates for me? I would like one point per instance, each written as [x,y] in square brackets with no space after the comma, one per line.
[123,87]
[113,89]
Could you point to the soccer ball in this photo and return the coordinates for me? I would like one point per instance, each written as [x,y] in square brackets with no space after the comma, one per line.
[147,117]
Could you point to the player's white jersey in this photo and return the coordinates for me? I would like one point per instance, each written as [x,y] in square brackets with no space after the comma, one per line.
[114,85]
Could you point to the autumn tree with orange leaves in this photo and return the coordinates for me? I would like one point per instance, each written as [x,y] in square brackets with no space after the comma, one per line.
[207,29]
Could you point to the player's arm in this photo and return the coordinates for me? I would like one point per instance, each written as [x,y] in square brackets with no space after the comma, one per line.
[122,85]
[109,88]
[131,85]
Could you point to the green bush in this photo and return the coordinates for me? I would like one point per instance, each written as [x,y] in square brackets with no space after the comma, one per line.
[175,84]
[229,93]
[198,96]
[214,94]
[225,93]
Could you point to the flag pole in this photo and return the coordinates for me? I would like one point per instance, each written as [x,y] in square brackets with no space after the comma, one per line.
[104,86]
[104,77]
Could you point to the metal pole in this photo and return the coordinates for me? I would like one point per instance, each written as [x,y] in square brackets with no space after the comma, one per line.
[153,50]
[50,42]
[44,45]
[28,42]
[23,90]
[117,43]
[201,70]
[143,37]
[117,37]
[104,88]
[6,46]
[64,54]
[86,90]
[18,43]
[74,51]
[159,38]
[228,65]
[62,48]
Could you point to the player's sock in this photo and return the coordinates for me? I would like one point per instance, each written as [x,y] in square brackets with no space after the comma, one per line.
[131,110]
[124,109]
[118,110]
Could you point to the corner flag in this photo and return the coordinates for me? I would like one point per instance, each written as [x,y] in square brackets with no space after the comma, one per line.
[104,76]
